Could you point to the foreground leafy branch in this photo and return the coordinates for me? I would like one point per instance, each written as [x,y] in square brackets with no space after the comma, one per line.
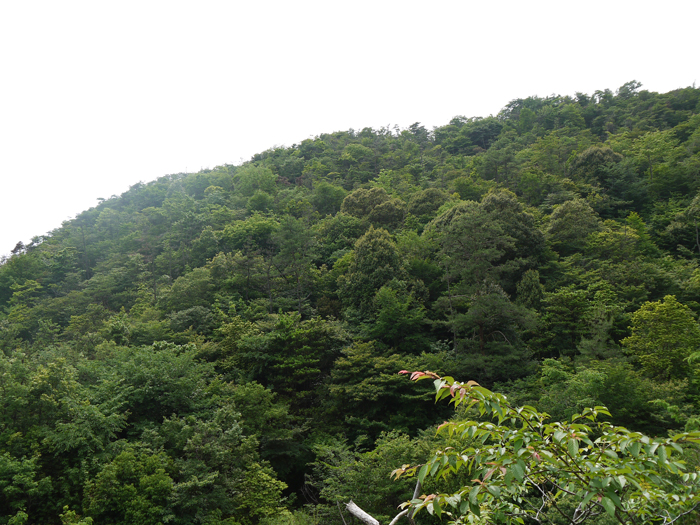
[524,468]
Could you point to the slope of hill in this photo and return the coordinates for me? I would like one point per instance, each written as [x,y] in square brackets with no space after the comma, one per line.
[217,347]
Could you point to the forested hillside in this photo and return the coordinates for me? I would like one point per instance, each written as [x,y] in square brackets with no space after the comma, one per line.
[222,347]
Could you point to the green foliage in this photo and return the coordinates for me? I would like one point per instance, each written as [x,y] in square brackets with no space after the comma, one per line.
[327,198]
[591,164]
[470,242]
[664,334]
[524,467]
[427,201]
[296,250]
[366,396]
[399,319]
[21,489]
[342,473]
[133,488]
[529,290]
[154,382]
[219,325]
[251,179]
[69,517]
[262,494]
[253,234]
[260,201]
[563,388]
[361,203]
[293,358]
[337,235]
[570,225]
[477,250]
[375,263]
[263,416]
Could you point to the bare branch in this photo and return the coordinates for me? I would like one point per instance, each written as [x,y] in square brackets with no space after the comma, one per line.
[666,520]
[360,514]
[341,513]
[398,516]
[504,335]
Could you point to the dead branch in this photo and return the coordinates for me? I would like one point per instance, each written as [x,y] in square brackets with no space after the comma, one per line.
[360,514]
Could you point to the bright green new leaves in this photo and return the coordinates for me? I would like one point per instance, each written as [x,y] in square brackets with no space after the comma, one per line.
[525,468]
[133,488]
[250,179]
[664,334]
[21,485]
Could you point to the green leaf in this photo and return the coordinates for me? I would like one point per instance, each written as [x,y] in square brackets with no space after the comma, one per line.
[518,471]
[587,498]
[614,498]
[422,472]
[677,447]
[609,506]
[498,409]
[453,500]
[473,493]
[476,510]
[635,448]
[508,479]
[572,447]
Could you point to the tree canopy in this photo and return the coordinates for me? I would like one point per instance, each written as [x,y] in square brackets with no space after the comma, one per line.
[222,347]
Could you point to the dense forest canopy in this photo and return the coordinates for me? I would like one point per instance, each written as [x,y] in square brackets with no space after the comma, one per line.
[222,347]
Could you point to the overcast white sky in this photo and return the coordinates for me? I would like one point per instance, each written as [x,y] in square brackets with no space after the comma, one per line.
[96,96]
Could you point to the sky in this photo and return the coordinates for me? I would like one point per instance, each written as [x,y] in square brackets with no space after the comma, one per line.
[96,96]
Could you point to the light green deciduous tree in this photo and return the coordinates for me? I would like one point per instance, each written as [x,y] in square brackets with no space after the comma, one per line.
[524,468]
